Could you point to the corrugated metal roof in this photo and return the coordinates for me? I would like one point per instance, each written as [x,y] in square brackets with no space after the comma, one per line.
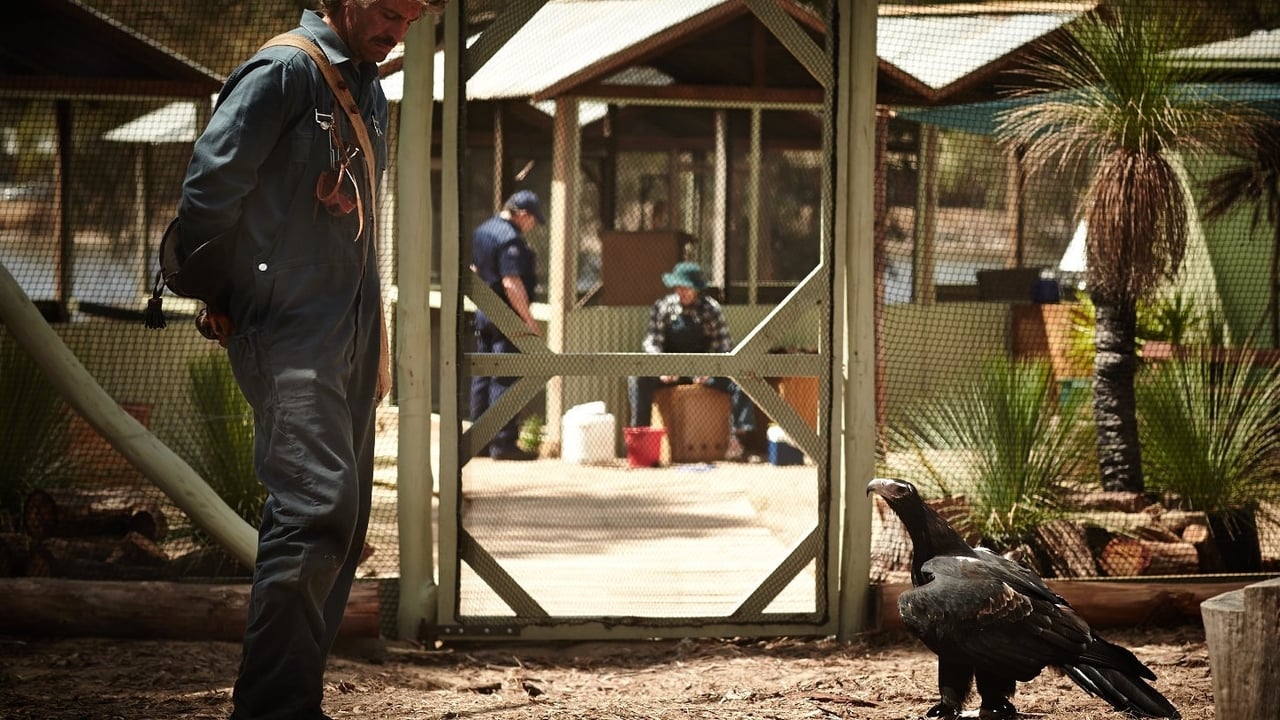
[1260,50]
[941,49]
[564,37]
[175,122]
[68,48]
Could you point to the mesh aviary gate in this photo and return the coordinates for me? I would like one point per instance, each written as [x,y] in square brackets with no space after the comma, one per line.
[555,549]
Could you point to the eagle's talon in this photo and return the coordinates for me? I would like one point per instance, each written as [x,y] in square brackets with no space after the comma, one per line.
[1004,711]
[944,711]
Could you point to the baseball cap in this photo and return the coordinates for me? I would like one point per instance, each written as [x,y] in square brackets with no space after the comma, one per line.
[527,201]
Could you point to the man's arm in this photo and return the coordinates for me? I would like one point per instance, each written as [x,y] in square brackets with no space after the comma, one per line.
[655,336]
[519,300]
[252,113]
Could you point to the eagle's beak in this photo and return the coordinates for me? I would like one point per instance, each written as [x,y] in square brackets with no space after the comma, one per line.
[888,489]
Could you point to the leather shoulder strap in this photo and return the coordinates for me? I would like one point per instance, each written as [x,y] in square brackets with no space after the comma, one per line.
[343,97]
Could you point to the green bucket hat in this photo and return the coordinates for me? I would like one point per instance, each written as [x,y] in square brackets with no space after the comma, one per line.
[685,274]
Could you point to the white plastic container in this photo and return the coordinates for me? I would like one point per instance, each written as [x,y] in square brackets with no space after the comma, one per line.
[781,450]
[587,434]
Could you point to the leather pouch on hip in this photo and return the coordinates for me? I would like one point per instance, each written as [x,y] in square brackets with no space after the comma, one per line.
[203,274]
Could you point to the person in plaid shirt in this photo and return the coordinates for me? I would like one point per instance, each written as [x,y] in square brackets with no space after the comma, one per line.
[688,321]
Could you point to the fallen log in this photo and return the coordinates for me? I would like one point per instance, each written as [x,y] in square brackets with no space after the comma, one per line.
[1124,557]
[150,609]
[1143,525]
[1107,501]
[1172,558]
[1201,538]
[73,512]
[1102,603]
[211,561]
[1177,521]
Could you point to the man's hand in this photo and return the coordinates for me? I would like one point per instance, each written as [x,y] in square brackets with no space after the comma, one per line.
[214,325]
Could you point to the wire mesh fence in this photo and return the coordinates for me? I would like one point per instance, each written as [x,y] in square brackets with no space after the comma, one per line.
[999,356]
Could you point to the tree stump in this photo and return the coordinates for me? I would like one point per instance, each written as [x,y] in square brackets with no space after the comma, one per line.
[1242,630]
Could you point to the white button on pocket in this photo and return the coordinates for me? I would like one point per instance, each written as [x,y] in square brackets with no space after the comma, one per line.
[262,267]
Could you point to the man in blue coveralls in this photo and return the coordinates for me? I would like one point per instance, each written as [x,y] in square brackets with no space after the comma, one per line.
[505,263]
[302,326]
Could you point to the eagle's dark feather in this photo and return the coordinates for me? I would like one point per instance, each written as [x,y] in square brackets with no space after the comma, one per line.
[990,619]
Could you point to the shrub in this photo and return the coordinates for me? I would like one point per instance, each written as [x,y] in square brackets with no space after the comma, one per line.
[1210,429]
[1013,447]
[221,444]
[35,420]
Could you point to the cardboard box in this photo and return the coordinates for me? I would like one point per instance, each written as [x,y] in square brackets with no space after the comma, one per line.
[697,423]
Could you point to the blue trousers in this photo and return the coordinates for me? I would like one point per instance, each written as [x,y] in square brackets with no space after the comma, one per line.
[485,391]
[641,389]
[314,412]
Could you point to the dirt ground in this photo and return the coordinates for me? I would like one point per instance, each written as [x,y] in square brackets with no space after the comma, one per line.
[878,677]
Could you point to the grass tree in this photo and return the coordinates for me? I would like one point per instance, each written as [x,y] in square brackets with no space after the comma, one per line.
[1115,105]
[1254,180]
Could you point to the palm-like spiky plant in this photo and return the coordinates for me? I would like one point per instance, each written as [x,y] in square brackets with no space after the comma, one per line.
[1212,429]
[1013,447]
[221,446]
[33,445]
[1118,103]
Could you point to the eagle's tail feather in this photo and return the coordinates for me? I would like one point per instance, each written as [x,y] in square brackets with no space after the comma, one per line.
[1124,692]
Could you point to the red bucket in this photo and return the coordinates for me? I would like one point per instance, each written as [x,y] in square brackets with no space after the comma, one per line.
[644,446]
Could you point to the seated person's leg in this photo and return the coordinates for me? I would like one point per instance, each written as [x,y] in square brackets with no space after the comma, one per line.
[640,392]
[743,411]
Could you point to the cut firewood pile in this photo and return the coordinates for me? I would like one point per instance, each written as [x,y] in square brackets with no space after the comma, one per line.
[1104,534]
[105,534]
[110,534]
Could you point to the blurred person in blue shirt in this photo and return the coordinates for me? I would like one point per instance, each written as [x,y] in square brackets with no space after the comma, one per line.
[506,264]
